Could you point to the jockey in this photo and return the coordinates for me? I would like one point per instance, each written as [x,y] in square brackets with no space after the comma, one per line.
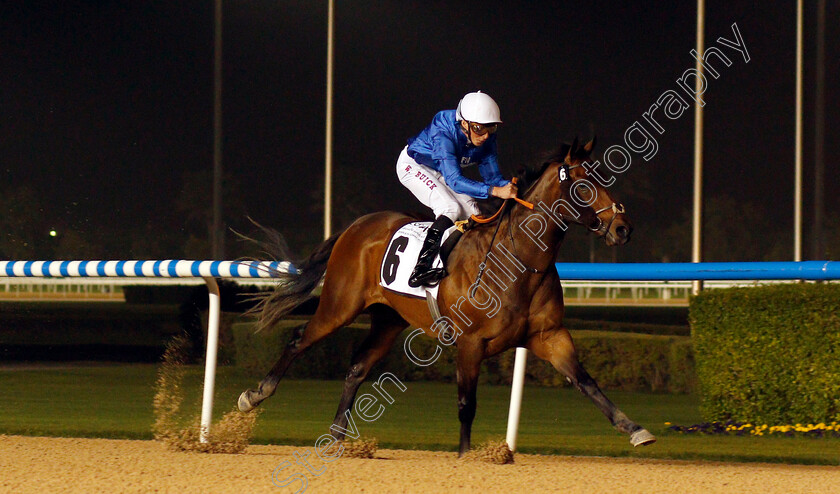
[430,167]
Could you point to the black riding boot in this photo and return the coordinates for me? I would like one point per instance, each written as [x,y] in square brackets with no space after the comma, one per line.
[424,274]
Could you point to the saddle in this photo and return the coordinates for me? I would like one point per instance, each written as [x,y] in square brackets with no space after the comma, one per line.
[405,246]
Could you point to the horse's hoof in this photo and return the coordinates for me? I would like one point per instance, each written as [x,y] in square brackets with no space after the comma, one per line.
[244,403]
[642,438]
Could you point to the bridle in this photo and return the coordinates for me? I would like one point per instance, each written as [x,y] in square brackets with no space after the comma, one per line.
[600,228]
[617,208]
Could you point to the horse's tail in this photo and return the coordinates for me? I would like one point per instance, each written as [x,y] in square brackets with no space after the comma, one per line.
[294,288]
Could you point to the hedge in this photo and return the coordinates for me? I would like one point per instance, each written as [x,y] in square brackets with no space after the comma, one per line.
[88,323]
[159,294]
[624,361]
[770,354]
[67,331]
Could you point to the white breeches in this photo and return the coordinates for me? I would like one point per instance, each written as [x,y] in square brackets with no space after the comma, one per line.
[430,188]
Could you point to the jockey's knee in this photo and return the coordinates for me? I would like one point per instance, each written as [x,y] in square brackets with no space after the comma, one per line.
[472,209]
[452,214]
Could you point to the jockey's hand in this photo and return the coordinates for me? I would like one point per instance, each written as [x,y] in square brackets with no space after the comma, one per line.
[505,192]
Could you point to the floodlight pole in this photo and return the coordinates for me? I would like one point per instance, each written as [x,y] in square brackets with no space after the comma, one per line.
[797,191]
[329,125]
[217,237]
[697,221]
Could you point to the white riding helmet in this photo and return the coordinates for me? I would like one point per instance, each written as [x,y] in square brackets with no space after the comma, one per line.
[479,108]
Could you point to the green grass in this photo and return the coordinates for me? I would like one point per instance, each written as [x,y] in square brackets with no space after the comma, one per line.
[115,402]
[112,401]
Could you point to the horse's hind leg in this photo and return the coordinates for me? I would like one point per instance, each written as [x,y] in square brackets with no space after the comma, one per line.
[385,326]
[556,347]
[331,315]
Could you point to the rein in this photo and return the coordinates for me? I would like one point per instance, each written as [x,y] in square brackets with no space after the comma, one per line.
[513,242]
[483,265]
[483,220]
[617,208]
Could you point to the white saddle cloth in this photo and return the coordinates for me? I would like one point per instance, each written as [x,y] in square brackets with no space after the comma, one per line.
[401,257]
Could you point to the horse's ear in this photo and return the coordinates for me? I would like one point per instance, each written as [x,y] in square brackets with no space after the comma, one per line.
[573,150]
[589,146]
[569,150]
[564,151]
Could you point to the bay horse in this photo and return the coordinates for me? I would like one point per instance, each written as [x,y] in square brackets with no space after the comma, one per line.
[529,310]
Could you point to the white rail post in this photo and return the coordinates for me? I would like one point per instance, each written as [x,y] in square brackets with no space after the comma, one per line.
[516,386]
[210,360]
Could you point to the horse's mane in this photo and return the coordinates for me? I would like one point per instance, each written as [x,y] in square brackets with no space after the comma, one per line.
[527,176]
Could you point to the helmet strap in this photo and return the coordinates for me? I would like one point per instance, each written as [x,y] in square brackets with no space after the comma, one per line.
[468,133]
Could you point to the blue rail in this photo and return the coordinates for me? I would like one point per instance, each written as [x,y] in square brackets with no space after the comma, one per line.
[681,271]
[677,271]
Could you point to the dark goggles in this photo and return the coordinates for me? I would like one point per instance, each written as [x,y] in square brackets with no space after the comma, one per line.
[481,129]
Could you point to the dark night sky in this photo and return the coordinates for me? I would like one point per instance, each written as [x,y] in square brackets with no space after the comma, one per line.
[107,104]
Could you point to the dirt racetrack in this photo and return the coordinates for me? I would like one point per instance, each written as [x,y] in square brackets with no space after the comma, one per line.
[34,464]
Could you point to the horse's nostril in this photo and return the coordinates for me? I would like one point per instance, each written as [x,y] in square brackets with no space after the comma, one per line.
[622,232]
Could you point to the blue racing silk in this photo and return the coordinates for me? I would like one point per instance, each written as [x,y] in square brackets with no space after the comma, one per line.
[443,146]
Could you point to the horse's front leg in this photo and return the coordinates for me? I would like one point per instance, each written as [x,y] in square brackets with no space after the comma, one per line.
[556,347]
[468,365]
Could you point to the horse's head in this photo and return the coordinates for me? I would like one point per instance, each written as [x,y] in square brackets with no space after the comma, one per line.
[570,188]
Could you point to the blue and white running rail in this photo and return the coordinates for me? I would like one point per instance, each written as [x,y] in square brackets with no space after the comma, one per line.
[208,270]
[144,269]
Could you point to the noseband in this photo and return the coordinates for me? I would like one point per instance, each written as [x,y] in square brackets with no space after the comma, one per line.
[617,208]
